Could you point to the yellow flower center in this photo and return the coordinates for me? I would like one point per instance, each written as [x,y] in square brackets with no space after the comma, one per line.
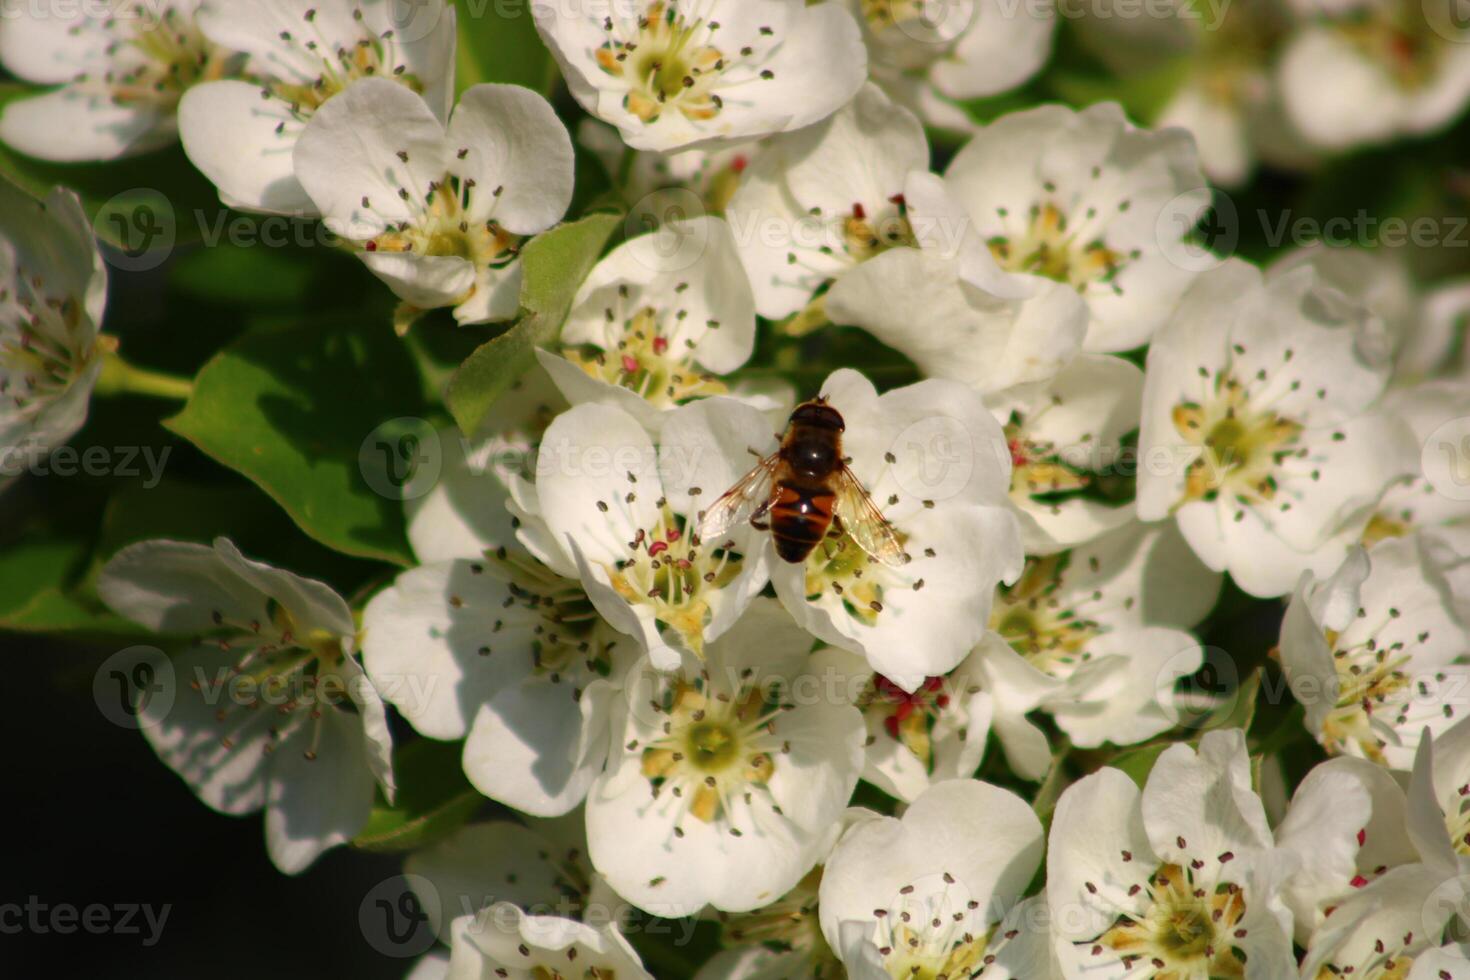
[1399,38]
[1048,248]
[442,227]
[646,361]
[42,349]
[670,571]
[670,62]
[1242,446]
[1033,621]
[840,565]
[175,56]
[714,746]
[1188,929]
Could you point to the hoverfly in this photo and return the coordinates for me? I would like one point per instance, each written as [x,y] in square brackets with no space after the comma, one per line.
[803,491]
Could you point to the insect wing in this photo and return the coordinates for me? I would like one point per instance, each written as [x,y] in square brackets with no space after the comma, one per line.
[865,523]
[750,494]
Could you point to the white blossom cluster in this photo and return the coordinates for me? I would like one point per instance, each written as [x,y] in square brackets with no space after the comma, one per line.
[991,760]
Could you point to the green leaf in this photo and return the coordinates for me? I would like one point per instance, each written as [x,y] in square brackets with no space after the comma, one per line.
[291,409]
[1139,762]
[37,593]
[554,265]
[147,203]
[182,511]
[501,45]
[248,276]
[433,799]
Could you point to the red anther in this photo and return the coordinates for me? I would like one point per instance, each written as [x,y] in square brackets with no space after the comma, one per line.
[942,701]
[630,364]
[858,211]
[1362,837]
[684,564]
[660,344]
[372,246]
[1018,454]
[739,164]
[933,683]
[890,725]
[674,534]
[1358,881]
[897,199]
[887,688]
[658,547]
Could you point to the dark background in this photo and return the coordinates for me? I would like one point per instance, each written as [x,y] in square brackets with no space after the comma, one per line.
[93,817]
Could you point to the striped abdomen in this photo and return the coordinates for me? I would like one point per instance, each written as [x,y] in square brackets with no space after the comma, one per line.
[800,518]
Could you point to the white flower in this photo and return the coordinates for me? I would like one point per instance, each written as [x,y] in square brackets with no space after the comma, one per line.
[1371,70]
[1180,879]
[1371,653]
[924,51]
[1438,803]
[1387,930]
[1448,962]
[541,868]
[1347,825]
[241,132]
[927,895]
[729,780]
[933,459]
[950,308]
[433,965]
[503,941]
[656,320]
[621,514]
[120,67]
[939,731]
[1415,504]
[465,513]
[439,213]
[270,710]
[1089,201]
[672,74]
[509,656]
[1385,926]
[1416,328]
[1062,433]
[1107,623]
[820,200]
[1259,432]
[916,303]
[53,291]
